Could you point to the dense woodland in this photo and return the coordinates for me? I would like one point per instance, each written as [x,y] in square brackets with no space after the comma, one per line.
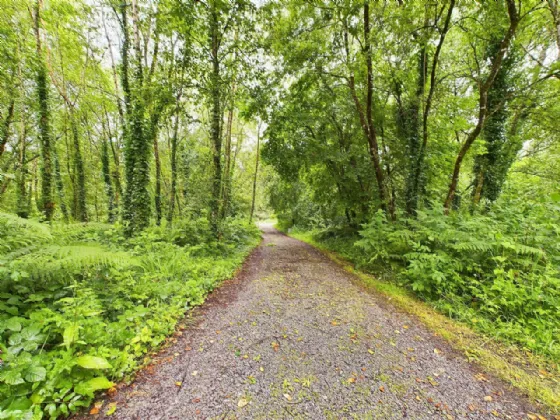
[140,140]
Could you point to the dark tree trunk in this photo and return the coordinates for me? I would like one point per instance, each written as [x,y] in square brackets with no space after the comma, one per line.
[174,141]
[215,116]
[5,135]
[60,186]
[107,180]
[46,202]
[484,87]
[256,175]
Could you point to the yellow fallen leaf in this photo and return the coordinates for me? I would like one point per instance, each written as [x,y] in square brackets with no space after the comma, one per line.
[437,351]
[178,383]
[112,409]
[288,397]
[382,388]
[488,398]
[351,380]
[261,369]
[242,403]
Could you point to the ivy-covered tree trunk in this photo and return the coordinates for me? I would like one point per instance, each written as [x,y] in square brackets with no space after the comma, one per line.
[484,87]
[5,134]
[60,186]
[136,206]
[107,180]
[256,175]
[157,194]
[227,176]
[215,118]
[173,192]
[491,167]
[80,176]
[46,202]
[22,205]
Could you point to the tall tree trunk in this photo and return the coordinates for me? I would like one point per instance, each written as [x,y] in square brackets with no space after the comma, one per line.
[366,117]
[216,116]
[81,208]
[22,205]
[484,87]
[47,203]
[174,140]
[256,174]
[5,134]
[226,183]
[60,186]
[107,180]
[136,208]
[157,196]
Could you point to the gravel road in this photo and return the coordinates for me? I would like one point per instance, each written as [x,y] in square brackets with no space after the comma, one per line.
[295,336]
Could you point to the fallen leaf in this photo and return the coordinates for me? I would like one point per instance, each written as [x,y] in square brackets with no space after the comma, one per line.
[334,323]
[351,380]
[488,398]
[188,348]
[194,373]
[261,369]
[95,410]
[176,354]
[417,398]
[178,383]
[406,327]
[112,409]
[471,407]
[111,391]
[382,388]
[370,351]
[481,377]
[242,403]
[437,351]
[288,397]
[275,346]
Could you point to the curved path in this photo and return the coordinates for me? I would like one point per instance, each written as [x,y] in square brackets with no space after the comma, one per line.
[294,336]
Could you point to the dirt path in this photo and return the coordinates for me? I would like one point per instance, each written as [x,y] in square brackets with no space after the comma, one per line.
[294,337]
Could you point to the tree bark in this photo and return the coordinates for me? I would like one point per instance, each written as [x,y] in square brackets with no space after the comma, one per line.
[215,115]
[47,204]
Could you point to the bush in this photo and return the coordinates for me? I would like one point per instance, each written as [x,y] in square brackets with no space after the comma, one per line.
[498,271]
[81,306]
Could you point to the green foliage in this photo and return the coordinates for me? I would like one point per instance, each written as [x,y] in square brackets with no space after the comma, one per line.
[81,306]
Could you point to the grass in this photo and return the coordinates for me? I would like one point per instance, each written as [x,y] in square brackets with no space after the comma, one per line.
[532,375]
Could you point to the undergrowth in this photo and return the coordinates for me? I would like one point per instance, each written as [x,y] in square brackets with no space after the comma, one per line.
[81,306]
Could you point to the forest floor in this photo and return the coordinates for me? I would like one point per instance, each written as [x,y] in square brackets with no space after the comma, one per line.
[296,336]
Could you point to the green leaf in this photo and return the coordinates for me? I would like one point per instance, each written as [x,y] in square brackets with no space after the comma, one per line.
[95,384]
[11,377]
[13,324]
[32,333]
[35,374]
[70,335]
[93,362]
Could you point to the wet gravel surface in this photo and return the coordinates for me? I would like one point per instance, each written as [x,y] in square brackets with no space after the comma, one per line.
[294,336]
